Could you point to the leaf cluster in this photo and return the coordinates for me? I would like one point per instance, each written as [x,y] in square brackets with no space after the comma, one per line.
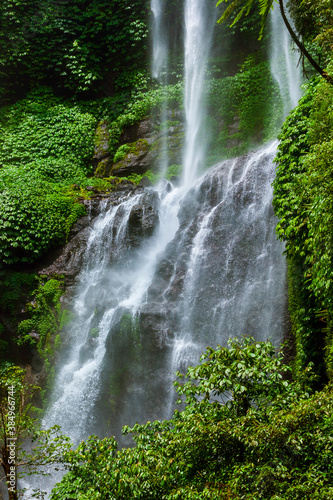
[18,421]
[46,318]
[314,22]
[244,109]
[76,47]
[243,8]
[47,145]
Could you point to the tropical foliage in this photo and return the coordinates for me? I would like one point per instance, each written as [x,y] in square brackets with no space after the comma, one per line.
[247,432]
[303,203]
[75,47]
[244,7]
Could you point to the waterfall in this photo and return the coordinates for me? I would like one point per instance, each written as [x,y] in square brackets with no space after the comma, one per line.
[212,269]
[199,17]
[232,267]
[284,63]
[149,302]
[114,280]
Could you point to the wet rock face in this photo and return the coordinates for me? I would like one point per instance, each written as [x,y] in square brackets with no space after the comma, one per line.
[101,159]
[143,218]
[69,260]
[218,270]
[145,142]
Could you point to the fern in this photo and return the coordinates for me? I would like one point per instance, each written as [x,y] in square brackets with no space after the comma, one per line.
[244,7]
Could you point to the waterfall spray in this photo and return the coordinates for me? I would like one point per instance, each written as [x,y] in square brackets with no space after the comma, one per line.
[284,63]
[159,39]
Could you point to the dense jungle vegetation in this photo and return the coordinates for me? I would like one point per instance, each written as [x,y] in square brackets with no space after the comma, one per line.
[67,68]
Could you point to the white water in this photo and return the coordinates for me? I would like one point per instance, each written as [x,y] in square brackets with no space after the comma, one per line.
[159,39]
[199,18]
[160,44]
[110,288]
[220,274]
[284,62]
[235,272]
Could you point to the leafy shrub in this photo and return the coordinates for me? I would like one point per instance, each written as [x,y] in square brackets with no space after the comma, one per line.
[245,109]
[47,145]
[122,151]
[75,48]
[94,333]
[34,216]
[42,129]
[15,287]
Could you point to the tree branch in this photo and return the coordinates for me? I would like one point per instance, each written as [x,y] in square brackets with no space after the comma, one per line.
[302,48]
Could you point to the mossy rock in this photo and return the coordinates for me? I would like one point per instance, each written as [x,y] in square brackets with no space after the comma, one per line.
[101,140]
[172,144]
[135,159]
[104,168]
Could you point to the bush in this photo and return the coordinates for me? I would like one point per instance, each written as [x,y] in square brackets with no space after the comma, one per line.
[276,445]
[34,217]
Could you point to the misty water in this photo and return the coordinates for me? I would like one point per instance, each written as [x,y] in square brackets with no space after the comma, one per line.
[211,269]
[284,62]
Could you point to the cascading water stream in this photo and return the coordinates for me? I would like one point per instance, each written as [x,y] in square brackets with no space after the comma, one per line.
[234,272]
[115,279]
[159,39]
[199,17]
[284,62]
[160,69]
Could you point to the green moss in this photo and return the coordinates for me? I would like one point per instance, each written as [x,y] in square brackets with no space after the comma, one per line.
[101,138]
[173,144]
[136,178]
[122,151]
[167,124]
[142,105]
[103,168]
[129,153]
